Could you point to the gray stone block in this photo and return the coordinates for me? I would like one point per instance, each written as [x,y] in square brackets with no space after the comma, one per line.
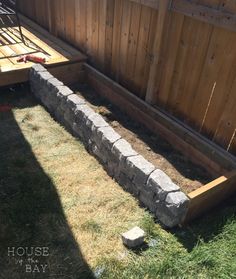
[161,184]
[106,136]
[53,84]
[177,202]
[138,169]
[133,238]
[69,118]
[127,184]
[76,127]
[147,199]
[82,113]
[165,216]
[38,68]
[172,211]
[64,92]
[122,149]
[95,122]
[43,77]
[74,100]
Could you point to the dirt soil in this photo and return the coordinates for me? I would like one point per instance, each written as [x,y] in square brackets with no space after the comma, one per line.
[153,147]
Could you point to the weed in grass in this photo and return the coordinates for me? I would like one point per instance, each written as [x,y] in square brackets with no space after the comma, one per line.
[91,226]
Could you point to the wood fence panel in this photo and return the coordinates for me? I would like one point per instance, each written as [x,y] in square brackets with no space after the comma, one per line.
[191,73]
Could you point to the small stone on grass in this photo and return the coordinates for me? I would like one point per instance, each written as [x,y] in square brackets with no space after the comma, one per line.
[133,238]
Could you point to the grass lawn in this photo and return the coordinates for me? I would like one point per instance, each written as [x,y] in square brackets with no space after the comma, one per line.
[54,194]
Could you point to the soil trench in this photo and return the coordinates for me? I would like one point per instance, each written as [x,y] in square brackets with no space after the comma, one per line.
[157,150]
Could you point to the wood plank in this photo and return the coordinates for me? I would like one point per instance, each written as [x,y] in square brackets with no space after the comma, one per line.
[208,196]
[209,15]
[142,47]
[223,89]
[70,20]
[133,45]
[116,42]
[162,17]
[170,57]
[208,81]
[149,55]
[125,28]
[95,32]
[225,131]
[102,34]
[109,36]
[69,74]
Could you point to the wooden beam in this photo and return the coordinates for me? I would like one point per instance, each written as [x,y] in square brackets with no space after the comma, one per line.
[208,196]
[194,146]
[148,3]
[212,16]
[162,15]
[209,15]
[69,74]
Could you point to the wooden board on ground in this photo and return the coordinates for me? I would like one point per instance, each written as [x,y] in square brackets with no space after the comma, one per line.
[210,195]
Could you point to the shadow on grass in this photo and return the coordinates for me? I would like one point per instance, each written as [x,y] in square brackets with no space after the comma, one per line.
[205,228]
[30,208]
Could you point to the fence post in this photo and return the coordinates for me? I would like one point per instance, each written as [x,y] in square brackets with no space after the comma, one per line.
[164,6]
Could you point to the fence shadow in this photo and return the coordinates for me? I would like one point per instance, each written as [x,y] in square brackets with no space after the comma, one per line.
[30,209]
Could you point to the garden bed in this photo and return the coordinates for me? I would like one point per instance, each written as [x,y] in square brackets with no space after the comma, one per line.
[186,174]
[159,176]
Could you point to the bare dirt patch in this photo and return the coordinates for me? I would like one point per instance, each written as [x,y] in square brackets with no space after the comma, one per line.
[153,147]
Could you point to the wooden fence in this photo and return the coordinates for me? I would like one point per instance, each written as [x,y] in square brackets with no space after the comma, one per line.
[179,55]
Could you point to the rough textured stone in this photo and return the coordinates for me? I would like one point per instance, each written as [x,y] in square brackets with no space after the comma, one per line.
[177,202]
[138,169]
[172,211]
[161,184]
[96,121]
[74,100]
[53,82]
[127,184]
[147,199]
[64,91]
[44,77]
[38,68]
[83,112]
[133,238]
[69,118]
[107,137]
[165,216]
[122,149]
